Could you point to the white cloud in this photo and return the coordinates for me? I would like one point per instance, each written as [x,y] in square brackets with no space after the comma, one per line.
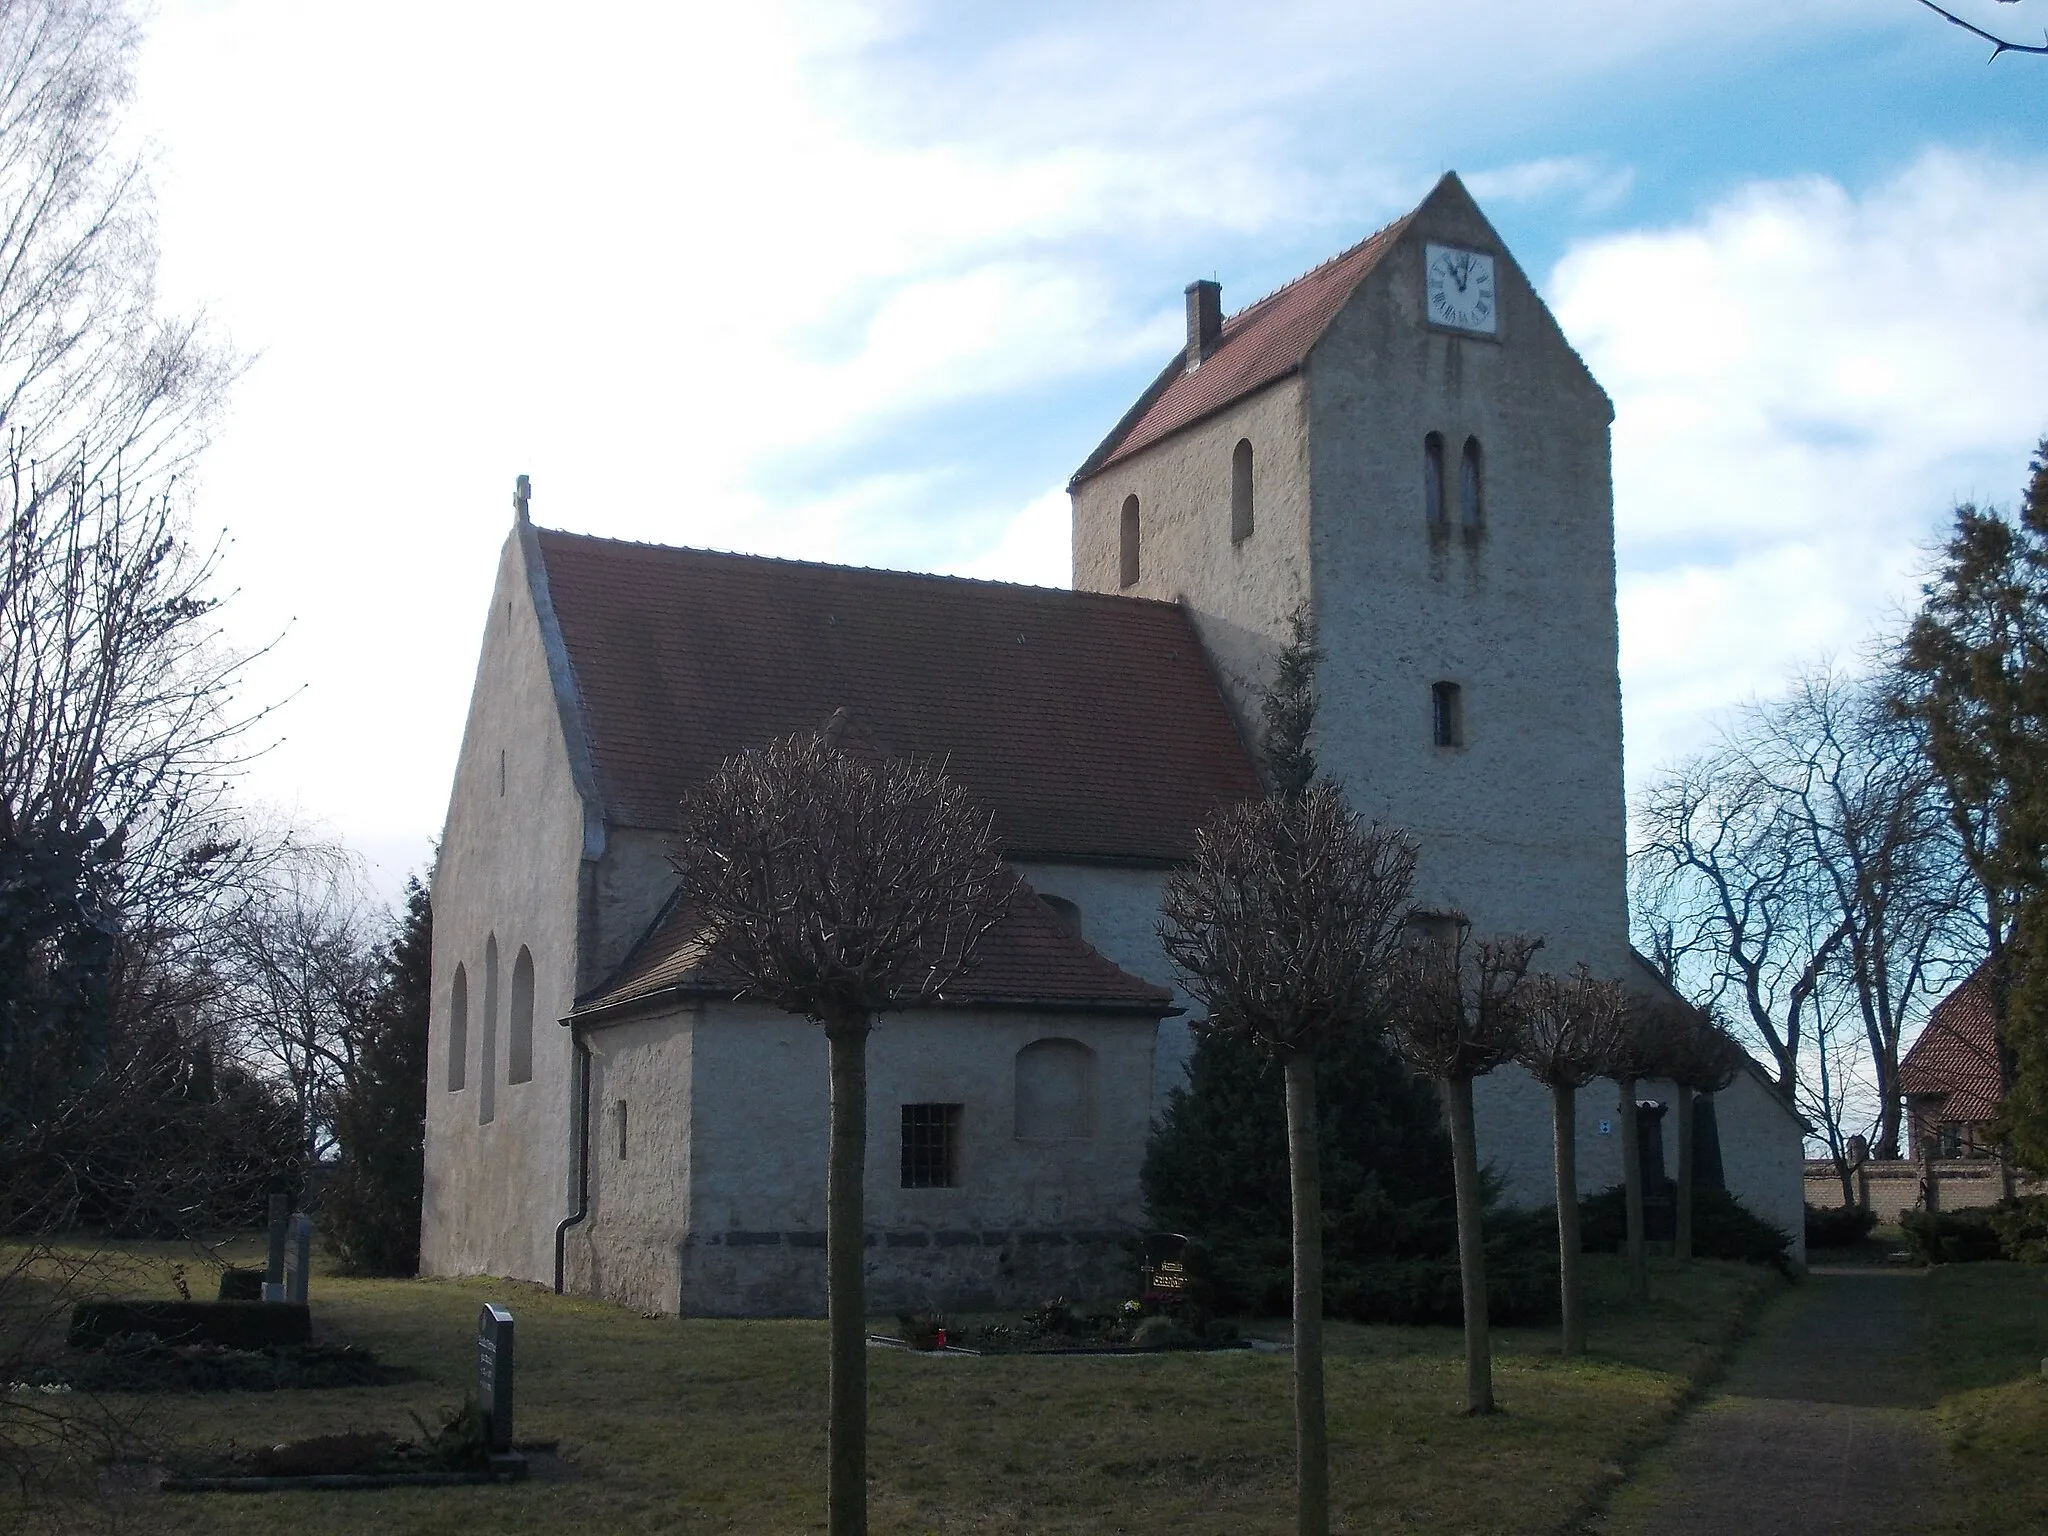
[1805,380]
[1592,184]
[1034,547]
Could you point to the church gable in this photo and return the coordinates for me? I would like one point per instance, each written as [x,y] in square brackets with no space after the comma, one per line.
[1089,726]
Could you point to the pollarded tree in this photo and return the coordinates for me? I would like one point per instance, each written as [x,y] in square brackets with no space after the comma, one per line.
[1286,925]
[837,883]
[1701,1057]
[1568,1029]
[1457,1016]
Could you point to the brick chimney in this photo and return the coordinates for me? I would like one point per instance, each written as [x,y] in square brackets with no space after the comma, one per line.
[1205,320]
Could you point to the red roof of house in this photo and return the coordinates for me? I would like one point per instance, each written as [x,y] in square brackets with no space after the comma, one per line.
[1956,1056]
[1029,959]
[1260,344]
[1088,724]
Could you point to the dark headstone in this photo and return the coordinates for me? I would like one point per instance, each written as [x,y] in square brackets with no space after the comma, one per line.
[273,1272]
[494,1364]
[298,1256]
[1163,1275]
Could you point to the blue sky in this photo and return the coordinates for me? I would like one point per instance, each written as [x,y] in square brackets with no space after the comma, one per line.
[866,282]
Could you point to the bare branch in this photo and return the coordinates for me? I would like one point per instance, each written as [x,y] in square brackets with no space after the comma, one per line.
[1998,44]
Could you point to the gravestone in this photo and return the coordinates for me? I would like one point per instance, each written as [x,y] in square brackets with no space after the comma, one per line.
[494,1363]
[1163,1275]
[298,1256]
[273,1271]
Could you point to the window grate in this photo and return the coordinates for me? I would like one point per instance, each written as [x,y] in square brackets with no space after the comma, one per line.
[931,1146]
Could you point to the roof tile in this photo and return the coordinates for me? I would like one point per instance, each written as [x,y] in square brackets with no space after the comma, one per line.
[1957,1055]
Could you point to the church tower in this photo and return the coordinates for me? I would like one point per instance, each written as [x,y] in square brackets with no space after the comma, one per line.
[1404,441]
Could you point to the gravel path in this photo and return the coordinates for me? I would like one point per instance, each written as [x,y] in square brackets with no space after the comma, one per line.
[1820,1425]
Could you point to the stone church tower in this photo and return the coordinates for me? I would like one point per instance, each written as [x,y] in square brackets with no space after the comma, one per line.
[1404,441]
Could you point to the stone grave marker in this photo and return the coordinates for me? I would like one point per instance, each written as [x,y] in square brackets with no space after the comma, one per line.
[494,1363]
[298,1256]
[273,1271]
[1163,1274]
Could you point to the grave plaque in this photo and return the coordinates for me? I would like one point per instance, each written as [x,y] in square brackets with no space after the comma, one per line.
[273,1271]
[494,1375]
[298,1256]
[1164,1273]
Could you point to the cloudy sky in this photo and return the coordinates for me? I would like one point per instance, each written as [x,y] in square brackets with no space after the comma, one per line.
[866,282]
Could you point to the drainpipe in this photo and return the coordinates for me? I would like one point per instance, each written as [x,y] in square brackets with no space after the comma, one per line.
[582,1048]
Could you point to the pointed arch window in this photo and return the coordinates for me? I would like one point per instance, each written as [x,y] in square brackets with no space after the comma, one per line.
[1241,491]
[487,1054]
[1433,479]
[458,1029]
[519,1039]
[1472,485]
[1127,543]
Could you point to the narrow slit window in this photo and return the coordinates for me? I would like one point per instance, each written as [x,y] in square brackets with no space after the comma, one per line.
[1447,711]
[931,1146]
[1127,543]
[1241,491]
[1472,485]
[622,1129]
[458,1030]
[1433,478]
[487,1052]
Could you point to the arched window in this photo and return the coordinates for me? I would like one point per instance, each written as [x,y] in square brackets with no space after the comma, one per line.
[1471,486]
[1055,1091]
[1127,543]
[519,1042]
[1063,909]
[487,1057]
[458,1029]
[1433,478]
[1241,491]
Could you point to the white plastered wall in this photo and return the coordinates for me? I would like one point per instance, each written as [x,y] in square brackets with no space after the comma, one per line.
[509,866]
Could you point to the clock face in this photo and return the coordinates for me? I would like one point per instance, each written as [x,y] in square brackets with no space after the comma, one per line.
[1458,289]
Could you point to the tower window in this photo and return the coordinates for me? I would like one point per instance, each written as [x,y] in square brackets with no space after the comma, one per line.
[1447,714]
[487,1053]
[931,1146]
[622,1129]
[1241,491]
[1471,486]
[1127,543]
[1433,478]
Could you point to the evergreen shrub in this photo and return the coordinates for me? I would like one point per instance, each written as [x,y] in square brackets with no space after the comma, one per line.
[1838,1226]
[1722,1228]
[1952,1237]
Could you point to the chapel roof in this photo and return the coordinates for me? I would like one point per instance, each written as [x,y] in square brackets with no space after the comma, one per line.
[1030,959]
[1956,1055]
[1259,345]
[1089,725]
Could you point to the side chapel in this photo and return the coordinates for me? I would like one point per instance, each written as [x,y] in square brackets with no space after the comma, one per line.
[1403,440]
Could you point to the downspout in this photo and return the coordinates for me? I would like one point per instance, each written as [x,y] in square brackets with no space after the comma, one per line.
[582,1049]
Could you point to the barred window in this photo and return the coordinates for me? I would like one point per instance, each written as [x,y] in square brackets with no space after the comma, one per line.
[931,1146]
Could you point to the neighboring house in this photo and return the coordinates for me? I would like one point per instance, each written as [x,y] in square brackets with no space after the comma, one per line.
[1403,443]
[1951,1078]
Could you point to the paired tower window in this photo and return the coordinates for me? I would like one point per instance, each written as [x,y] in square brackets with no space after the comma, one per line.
[519,1068]
[487,1056]
[1471,484]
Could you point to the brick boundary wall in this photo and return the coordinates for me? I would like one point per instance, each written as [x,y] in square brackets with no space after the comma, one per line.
[1895,1185]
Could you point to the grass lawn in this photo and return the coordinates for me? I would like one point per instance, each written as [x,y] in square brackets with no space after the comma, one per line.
[1988,1332]
[695,1425]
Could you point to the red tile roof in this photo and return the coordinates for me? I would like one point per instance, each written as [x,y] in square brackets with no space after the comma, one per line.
[1260,344]
[1088,724]
[1956,1055]
[1029,959]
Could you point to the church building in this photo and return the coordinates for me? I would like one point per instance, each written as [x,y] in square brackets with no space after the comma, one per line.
[1403,442]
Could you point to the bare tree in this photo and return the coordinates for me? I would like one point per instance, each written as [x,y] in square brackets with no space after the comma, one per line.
[1286,925]
[1998,44]
[1700,1057]
[837,883]
[1456,1017]
[1642,1047]
[1569,1025]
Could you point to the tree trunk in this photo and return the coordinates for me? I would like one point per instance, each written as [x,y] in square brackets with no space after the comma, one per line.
[1681,1245]
[1311,1441]
[1632,1185]
[1930,1181]
[846,1492]
[1457,1096]
[1564,1125]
